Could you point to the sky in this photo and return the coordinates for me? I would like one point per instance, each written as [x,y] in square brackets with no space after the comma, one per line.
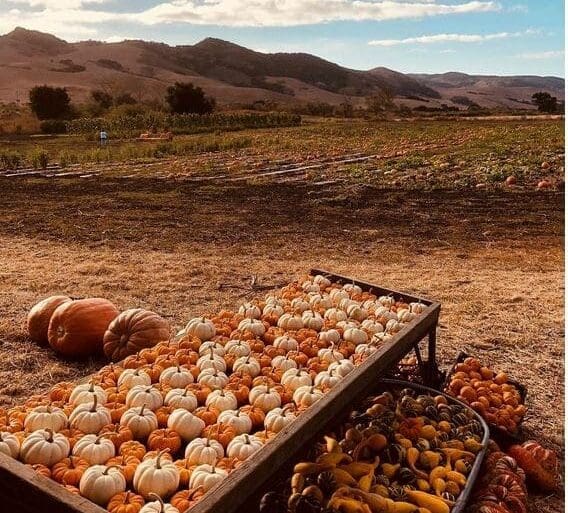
[432,36]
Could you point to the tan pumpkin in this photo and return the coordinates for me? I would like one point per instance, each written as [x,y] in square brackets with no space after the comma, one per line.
[77,328]
[40,315]
[132,331]
[45,447]
[156,475]
[100,483]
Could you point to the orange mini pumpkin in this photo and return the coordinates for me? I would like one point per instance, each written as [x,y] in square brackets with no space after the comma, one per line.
[125,502]
[161,439]
[69,470]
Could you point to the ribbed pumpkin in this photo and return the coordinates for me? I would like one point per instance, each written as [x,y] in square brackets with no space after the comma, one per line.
[133,330]
[40,315]
[77,328]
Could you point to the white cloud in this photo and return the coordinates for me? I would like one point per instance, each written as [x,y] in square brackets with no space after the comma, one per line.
[73,19]
[445,38]
[269,13]
[551,54]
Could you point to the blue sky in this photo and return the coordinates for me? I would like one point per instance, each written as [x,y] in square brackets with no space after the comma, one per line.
[474,36]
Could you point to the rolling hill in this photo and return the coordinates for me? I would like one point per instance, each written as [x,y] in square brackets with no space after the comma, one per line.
[235,75]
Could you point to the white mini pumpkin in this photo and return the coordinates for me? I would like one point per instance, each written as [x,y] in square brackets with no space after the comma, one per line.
[211,361]
[85,393]
[99,483]
[386,301]
[185,424]
[330,354]
[296,378]
[286,343]
[309,286]
[144,395]
[330,336]
[205,348]
[278,418]
[237,348]
[371,326]
[94,449]
[177,377]
[90,418]
[336,295]
[273,309]
[250,310]
[328,378]
[320,302]
[264,397]
[355,335]
[365,349]
[417,308]
[393,326]
[342,367]
[322,281]
[206,476]
[312,320]
[202,328]
[158,506]
[290,322]
[181,398]
[335,315]
[203,450]
[299,305]
[255,326]
[307,395]
[9,444]
[132,377]
[243,446]
[405,315]
[222,400]
[45,417]
[212,378]
[356,312]
[238,420]
[247,365]
[45,447]
[351,288]
[156,475]
[283,362]
[140,420]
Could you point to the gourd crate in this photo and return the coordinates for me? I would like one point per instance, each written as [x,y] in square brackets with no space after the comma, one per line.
[23,490]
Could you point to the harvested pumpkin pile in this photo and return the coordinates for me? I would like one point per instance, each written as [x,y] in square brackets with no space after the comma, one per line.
[171,421]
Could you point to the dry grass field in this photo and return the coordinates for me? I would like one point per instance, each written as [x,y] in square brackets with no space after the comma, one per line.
[493,256]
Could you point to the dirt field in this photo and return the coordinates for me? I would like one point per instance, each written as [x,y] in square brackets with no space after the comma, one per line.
[494,258]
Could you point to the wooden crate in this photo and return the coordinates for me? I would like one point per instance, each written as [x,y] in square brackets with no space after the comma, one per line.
[22,490]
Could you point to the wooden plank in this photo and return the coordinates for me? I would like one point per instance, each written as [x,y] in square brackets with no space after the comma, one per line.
[242,483]
[23,490]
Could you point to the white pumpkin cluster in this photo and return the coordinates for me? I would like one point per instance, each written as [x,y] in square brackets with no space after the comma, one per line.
[290,349]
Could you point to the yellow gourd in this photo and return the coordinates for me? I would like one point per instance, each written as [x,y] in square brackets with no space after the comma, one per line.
[390,470]
[423,485]
[430,459]
[343,478]
[439,486]
[428,432]
[297,483]
[430,502]
[456,477]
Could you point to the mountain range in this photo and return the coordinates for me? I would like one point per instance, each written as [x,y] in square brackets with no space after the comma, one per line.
[235,75]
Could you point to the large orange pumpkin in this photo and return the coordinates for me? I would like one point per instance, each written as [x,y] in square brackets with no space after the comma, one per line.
[40,315]
[77,328]
[133,330]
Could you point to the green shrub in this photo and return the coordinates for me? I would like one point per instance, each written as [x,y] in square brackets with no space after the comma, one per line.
[10,160]
[53,126]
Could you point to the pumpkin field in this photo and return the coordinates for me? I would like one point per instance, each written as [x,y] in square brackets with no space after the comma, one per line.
[469,213]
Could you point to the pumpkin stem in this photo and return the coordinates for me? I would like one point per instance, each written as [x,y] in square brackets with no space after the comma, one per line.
[159,499]
[105,472]
[50,437]
[142,410]
[159,457]
[95,402]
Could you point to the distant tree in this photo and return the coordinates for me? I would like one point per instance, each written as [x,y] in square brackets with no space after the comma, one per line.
[102,98]
[185,98]
[50,102]
[124,99]
[545,102]
[379,102]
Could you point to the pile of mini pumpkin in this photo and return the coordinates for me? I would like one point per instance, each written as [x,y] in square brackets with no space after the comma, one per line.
[171,421]
[488,392]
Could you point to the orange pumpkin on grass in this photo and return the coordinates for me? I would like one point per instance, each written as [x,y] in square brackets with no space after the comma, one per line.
[77,328]
[40,315]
